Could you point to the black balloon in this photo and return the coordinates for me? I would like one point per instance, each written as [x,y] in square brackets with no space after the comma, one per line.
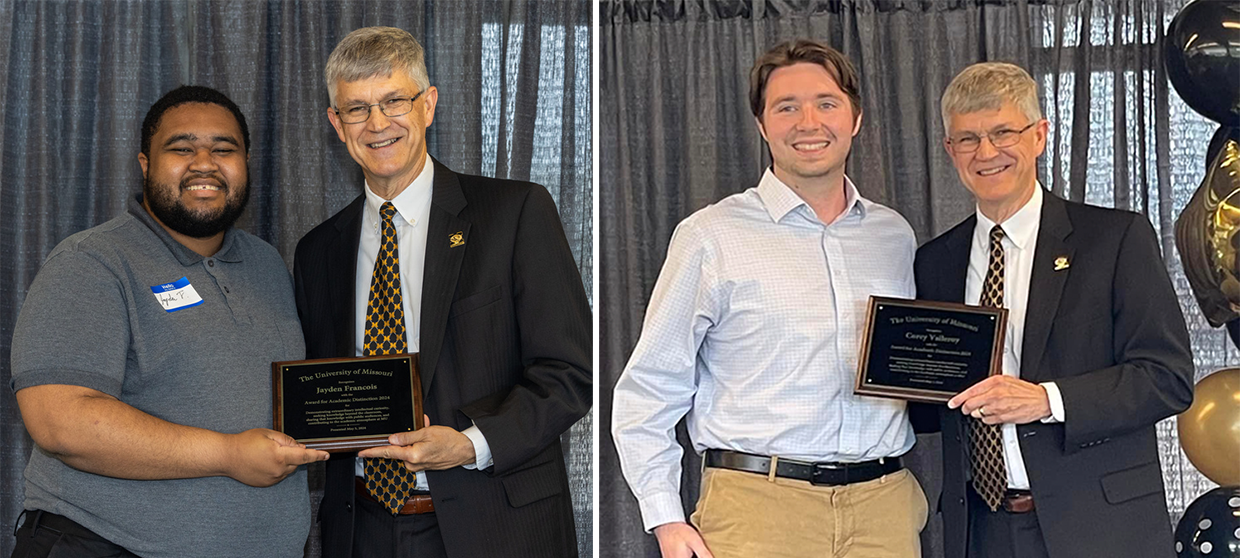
[1210,527]
[1203,58]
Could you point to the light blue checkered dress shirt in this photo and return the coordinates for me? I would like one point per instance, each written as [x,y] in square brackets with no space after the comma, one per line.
[754,331]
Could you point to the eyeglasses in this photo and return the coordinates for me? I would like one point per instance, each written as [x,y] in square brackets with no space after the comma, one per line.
[396,106]
[968,143]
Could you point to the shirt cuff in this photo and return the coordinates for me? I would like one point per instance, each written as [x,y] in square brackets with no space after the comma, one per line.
[661,508]
[1056,400]
[482,450]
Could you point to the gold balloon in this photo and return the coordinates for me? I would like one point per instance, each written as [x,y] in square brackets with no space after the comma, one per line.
[1206,237]
[1210,428]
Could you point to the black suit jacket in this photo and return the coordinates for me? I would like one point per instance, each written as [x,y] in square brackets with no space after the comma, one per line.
[505,343]
[1108,331]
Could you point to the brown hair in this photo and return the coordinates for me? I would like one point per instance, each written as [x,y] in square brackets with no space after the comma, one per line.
[803,51]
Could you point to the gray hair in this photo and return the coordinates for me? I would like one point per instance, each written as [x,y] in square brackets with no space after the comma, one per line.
[986,86]
[375,51]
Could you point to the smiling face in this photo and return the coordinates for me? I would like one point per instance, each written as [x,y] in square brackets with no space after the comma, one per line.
[391,150]
[808,123]
[1002,179]
[195,179]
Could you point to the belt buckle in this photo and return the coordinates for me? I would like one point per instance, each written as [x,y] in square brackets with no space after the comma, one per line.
[819,475]
[1018,503]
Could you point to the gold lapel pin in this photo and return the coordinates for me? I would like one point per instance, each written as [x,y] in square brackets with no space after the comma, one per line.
[457,239]
[1061,263]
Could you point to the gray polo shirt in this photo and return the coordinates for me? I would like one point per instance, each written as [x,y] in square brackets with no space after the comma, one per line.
[109,311]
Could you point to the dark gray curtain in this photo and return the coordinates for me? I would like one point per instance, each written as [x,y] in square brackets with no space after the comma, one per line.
[76,79]
[675,134]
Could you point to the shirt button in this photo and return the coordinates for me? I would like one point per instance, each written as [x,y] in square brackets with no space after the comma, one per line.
[211,263]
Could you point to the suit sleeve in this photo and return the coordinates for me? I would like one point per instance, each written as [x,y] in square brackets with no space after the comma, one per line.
[299,288]
[1233,331]
[555,335]
[1153,375]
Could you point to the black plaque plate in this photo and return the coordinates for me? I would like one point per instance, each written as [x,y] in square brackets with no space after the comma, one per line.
[346,404]
[928,351]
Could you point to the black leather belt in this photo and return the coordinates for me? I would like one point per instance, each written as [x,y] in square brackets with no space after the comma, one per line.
[822,474]
[47,520]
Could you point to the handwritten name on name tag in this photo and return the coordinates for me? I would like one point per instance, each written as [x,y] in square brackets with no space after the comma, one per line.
[176,295]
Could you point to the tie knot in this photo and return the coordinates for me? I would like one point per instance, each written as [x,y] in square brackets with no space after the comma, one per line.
[996,234]
[387,210]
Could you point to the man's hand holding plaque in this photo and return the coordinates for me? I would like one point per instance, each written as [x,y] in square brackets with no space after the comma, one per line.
[928,351]
[433,448]
[1003,399]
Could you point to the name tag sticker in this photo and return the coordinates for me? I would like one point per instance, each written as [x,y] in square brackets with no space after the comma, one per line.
[176,295]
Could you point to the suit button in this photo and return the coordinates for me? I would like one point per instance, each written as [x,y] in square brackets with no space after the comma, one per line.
[957,437]
[348,507]
[962,501]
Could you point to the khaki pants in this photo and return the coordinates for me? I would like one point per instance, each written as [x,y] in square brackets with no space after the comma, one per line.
[745,515]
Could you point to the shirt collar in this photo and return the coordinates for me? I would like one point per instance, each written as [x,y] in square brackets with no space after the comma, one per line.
[411,204]
[1021,227]
[227,252]
[780,200]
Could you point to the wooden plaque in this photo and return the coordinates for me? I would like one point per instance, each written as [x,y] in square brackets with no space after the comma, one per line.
[346,404]
[927,351]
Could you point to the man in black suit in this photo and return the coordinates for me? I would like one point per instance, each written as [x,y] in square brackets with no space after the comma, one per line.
[476,276]
[1096,350]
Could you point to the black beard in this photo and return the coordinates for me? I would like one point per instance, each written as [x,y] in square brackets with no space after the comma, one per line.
[165,202]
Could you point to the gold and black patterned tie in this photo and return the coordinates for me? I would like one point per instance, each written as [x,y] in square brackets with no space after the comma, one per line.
[387,479]
[986,440]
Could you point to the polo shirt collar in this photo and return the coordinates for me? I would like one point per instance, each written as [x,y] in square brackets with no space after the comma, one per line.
[228,251]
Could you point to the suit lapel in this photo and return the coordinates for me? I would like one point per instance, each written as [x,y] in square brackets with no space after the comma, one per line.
[441,268]
[342,275]
[956,268]
[1046,284]
[952,275]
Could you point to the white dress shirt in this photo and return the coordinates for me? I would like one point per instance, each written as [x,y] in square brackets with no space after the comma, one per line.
[413,209]
[1020,242]
[754,330]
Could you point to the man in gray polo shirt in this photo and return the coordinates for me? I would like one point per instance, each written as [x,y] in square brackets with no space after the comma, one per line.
[141,362]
